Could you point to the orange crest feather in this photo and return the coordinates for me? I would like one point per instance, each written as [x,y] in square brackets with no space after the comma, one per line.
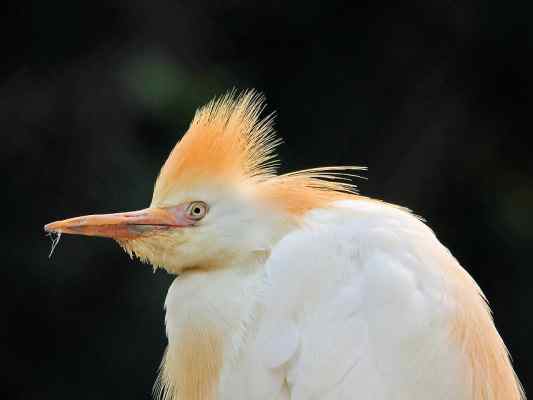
[229,141]
[226,139]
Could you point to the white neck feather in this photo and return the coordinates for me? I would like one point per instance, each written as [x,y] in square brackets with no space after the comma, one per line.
[218,305]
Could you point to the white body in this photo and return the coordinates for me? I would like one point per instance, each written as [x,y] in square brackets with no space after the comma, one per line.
[354,305]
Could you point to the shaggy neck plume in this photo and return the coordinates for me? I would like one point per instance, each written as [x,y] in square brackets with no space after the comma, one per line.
[205,335]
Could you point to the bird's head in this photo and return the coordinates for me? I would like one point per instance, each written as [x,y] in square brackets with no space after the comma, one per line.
[217,198]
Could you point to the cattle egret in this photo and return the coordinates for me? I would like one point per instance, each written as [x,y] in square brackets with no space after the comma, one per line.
[293,286]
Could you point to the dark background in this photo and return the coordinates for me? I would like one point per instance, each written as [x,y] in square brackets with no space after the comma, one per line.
[434,97]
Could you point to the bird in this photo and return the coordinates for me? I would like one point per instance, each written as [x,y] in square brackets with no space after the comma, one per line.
[294,286]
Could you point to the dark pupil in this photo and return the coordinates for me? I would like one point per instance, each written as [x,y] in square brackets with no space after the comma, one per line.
[196,210]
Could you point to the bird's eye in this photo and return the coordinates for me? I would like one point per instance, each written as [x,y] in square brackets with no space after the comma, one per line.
[197,210]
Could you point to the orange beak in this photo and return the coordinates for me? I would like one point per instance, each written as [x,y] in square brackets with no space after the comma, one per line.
[121,226]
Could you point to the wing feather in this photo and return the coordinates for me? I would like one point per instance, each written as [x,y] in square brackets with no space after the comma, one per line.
[368,313]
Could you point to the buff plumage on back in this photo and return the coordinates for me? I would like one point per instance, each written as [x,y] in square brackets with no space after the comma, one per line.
[229,142]
[493,377]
